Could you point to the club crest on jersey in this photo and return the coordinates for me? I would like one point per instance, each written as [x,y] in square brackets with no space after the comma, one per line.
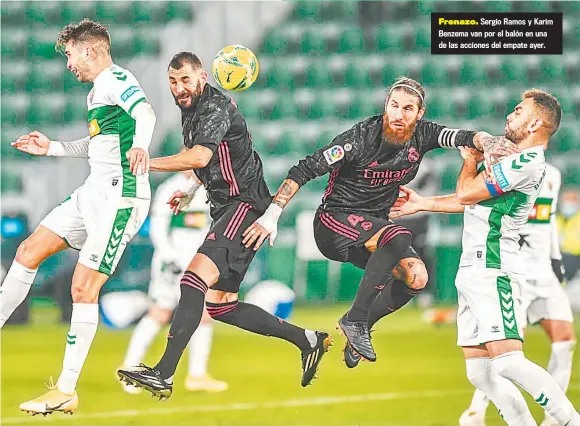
[94,128]
[413,155]
[334,154]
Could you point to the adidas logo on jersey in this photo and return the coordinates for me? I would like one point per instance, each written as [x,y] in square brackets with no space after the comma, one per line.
[211,236]
[374,164]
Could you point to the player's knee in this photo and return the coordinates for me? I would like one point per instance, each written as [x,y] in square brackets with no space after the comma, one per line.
[396,238]
[419,277]
[82,293]
[476,375]
[26,255]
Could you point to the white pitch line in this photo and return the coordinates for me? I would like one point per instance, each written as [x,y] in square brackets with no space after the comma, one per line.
[322,400]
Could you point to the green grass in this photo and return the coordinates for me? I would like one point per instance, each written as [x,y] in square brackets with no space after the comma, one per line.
[418,380]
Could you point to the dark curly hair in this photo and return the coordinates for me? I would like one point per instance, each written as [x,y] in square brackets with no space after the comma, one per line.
[84,31]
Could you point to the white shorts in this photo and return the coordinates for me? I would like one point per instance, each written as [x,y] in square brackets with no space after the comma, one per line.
[544,298]
[490,306]
[99,223]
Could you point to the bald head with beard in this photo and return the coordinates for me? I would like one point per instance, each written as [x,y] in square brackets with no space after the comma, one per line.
[402,111]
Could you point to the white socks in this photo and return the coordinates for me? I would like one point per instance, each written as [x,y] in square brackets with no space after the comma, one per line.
[83,327]
[14,289]
[505,396]
[143,335]
[480,401]
[199,349]
[560,364]
[539,384]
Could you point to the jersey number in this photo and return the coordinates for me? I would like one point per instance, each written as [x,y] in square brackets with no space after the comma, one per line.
[355,219]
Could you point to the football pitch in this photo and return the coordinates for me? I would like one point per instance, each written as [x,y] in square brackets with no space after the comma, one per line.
[418,379]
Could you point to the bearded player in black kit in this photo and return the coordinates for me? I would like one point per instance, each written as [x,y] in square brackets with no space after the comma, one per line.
[367,163]
[219,149]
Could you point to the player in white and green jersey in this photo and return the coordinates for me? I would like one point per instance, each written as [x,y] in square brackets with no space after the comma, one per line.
[544,298]
[496,201]
[101,216]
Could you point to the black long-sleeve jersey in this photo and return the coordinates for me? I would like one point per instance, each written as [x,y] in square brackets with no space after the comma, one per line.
[365,172]
[235,171]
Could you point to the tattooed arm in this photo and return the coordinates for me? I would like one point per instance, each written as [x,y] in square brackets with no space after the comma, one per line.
[493,147]
[287,190]
[267,224]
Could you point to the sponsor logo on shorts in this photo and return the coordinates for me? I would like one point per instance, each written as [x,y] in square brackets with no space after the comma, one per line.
[129,92]
[94,258]
[495,328]
[479,254]
[334,154]
[211,236]
[115,182]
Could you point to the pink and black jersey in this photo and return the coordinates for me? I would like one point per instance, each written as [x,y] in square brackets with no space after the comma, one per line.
[365,171]
[235,171]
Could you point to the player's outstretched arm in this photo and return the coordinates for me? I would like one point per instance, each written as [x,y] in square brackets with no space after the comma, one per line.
[36,143]
[267,224]
[411,202]
[195,158]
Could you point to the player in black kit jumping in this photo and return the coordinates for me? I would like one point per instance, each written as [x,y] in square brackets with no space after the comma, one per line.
[219,149]
[367,163]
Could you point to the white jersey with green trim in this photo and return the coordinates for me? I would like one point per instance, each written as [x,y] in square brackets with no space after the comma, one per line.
[491,228]
[539,236]
[110,102]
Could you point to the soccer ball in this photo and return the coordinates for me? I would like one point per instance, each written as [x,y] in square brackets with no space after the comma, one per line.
[235,68]
[272,296]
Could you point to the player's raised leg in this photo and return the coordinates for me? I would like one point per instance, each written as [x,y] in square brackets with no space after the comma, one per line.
[409,278]
[225,307]
[40,245]
[387,247]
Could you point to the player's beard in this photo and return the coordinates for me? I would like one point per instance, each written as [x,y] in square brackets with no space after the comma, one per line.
[397,136]
[516,135]
[195,95]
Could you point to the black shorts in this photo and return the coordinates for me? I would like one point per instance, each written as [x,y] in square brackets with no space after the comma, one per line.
[342,236]
[223,245]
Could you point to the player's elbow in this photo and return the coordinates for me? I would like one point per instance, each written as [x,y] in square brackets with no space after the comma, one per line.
[464,198]
[202,162]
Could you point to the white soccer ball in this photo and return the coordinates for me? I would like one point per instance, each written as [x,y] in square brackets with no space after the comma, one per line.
[273,296]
